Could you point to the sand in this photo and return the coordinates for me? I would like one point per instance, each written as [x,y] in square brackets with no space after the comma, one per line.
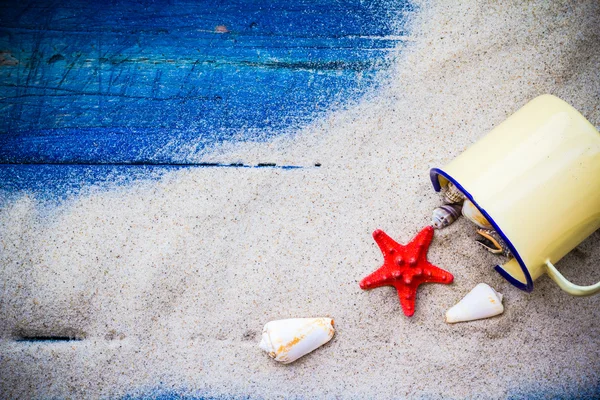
[169,282]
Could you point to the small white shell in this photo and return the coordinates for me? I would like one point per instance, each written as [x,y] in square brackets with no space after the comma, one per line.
[481,302]
[474,215]
[287,340]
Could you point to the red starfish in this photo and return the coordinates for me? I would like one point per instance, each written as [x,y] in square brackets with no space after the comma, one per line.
[405,267]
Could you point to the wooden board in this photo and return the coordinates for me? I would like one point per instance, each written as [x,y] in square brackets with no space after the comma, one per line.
[87,83]
[157,82]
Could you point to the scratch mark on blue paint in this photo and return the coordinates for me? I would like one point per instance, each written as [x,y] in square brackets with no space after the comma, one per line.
[170,164]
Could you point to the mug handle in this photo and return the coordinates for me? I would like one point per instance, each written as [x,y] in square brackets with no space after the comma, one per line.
[569,287]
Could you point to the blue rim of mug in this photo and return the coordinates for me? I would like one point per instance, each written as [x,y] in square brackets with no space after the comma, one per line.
[528,287]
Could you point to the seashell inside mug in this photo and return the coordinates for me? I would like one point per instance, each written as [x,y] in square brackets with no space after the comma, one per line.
[453,194]
[287,340]
[445,215]
[474,215]
[492,242]
[481,302]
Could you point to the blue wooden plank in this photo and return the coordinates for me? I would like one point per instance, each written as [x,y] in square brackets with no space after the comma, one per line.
[158,82]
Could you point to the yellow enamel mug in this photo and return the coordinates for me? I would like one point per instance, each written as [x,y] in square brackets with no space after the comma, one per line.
[536,178]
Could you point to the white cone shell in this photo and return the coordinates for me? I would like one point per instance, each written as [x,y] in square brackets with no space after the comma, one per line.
[481,302]
[287,340]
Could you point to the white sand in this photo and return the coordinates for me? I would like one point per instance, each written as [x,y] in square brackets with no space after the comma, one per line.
[171,282]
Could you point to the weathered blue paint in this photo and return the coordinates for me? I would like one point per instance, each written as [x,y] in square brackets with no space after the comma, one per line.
[159,81]
[567,391]
[174,395]
[56,182]
[557,392]
[164,394]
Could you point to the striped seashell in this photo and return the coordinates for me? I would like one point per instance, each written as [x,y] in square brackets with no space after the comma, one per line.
[453,194]
[492,242]
[445,215]
[473,214]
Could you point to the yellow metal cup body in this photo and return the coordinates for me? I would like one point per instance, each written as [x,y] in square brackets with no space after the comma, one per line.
[536,178]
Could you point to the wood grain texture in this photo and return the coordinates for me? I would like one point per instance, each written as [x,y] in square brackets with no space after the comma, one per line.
[158,82]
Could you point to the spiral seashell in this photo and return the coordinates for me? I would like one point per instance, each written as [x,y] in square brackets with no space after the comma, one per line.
[453,194]
[286,340]
[473,214]
[492,242]
[445,215]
